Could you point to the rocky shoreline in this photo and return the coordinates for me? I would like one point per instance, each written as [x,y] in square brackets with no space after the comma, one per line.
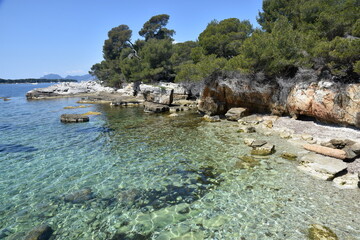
[325,152]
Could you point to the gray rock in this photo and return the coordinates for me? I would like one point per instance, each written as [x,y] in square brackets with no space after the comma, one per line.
[73,118]
[180,93]
[151,107]
[264,150]
[42,232]
[354,167]
[347,181]
[157,94]
[68,88]
[234,114]
[258,143]
[355,148]
[321,167]
[208,118]
[79,196]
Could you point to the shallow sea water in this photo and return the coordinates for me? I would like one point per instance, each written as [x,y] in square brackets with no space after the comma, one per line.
[149,176]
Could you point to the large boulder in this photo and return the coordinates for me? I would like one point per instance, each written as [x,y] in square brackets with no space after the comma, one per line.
[305,95]
[326,101]
[234,114]
[321,167]
[224,91]
[157,94]
[180,92]
[151,107]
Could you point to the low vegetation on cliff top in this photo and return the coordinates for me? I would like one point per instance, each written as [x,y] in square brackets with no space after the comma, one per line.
[319,34]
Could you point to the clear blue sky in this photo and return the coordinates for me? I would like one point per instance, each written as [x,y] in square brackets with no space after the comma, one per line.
[65,37]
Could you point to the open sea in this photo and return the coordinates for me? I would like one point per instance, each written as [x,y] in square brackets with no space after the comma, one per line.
[131,175]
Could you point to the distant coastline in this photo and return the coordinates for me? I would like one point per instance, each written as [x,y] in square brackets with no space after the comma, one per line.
[34,80]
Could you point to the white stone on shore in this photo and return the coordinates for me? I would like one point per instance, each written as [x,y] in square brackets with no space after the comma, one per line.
[68,88]
[348,181]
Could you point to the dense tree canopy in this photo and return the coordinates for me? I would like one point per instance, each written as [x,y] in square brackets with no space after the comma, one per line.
[224,38]
[319,34]
[155,28]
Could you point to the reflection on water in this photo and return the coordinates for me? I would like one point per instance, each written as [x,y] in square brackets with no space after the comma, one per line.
[131,175]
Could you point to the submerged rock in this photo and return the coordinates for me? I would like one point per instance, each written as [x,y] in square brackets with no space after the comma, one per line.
[321,167]
[75,107]
[91,113]
[246,162]
[42,232]
[73,118]
[289,156]
[319,232]
[79,196]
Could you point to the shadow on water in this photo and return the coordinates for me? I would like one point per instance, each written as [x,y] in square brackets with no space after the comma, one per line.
[15,148]
[94,129]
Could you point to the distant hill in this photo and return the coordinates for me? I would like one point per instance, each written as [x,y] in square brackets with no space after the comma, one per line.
[51,76]
[86,77]
[35,80]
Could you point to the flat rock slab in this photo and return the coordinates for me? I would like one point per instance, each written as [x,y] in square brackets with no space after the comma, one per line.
[321,167]
[155,107]
[73,118]
[348,181]
[235,114]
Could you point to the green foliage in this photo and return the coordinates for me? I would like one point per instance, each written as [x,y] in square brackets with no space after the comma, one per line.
[328,18]
[155,28]
[182,52]
[357,67]
[275,52]
[356,29]
[295,34]
[109,72]
[119,38]
[190,72]
[340,54]
[224,38]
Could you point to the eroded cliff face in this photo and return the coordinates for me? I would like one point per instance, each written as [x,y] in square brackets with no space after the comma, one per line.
[303,95]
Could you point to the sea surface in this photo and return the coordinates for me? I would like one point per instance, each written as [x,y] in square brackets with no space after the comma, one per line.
[127,174]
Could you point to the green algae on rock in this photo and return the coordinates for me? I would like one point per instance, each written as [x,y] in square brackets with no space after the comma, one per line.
[289,156]
[319,232]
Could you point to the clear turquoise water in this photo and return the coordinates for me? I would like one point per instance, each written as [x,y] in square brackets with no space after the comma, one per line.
[151,177]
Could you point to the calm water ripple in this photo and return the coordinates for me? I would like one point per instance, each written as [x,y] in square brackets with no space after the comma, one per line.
[131,175]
